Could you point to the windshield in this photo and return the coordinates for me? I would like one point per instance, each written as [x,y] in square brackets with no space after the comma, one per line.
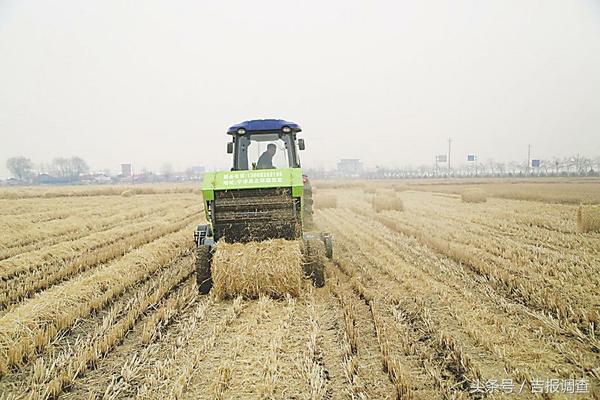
[265,151]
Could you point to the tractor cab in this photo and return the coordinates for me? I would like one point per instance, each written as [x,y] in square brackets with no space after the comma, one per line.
[265,144]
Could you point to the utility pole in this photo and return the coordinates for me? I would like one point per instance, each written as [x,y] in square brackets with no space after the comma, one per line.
[449,145]
[528,157]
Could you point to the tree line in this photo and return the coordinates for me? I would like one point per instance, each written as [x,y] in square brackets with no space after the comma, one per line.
[61,168]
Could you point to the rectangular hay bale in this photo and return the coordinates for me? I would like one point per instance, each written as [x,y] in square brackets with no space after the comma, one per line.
[588,218]
[272,268]
[474,195]
[382,202]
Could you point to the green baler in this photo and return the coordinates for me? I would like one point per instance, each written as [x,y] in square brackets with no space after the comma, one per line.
[257,201]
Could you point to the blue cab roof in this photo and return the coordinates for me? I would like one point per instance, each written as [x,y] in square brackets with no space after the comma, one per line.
[264,125]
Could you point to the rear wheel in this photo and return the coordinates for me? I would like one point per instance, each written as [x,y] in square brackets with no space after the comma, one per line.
[314,267]
[328,241]
[203,276]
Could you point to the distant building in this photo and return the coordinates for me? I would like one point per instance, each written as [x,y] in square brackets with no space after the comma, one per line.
[103,178]
[125,170]
[45,179]
[350,167]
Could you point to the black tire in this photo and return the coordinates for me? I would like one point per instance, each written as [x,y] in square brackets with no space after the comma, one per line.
[314,267]
[328,246]
[203,275]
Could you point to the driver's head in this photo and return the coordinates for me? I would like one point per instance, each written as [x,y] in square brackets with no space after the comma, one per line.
[271,148]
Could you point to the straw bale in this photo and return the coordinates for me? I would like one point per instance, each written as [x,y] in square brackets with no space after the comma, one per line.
[272,268]
[127,193]
[384,202]
[588,218]
[474,195]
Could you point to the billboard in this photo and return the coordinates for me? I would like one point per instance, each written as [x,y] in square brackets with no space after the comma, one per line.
[441,158]
[535,163]
[471,157]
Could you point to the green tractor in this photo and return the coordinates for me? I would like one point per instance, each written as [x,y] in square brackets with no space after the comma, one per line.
[266,199]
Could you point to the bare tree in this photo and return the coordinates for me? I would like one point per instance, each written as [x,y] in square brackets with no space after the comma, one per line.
[21,167]
[61,167]
[69,168]
[501,168]
[78,167]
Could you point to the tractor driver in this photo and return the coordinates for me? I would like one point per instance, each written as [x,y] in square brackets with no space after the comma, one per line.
[265,161]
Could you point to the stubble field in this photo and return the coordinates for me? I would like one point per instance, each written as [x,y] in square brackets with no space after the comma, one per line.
[427,297]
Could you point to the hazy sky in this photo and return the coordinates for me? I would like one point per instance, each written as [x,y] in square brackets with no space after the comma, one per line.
[386,81]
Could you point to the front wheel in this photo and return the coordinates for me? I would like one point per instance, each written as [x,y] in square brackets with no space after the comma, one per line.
[203,275]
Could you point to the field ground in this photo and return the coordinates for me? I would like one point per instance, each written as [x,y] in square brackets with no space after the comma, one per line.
[548,190]
[98,300]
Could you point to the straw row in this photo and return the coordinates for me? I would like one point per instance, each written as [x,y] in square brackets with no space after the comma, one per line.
[312,365]
[390,364]
[128,377]
[90,191]
[67,251]
[324,201]
[443,343]
[163,316]
[25,286]
[160,369]
[76,231]
[33,324]
[570,307]
[420,274]
[378,264]
[350,361]
[77,224]
[113,329]
[180,378]
[546,191]
[270,369]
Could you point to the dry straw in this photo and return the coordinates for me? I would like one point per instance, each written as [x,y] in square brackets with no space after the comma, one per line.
[384,202]
[399,187]
[32,325]
[127,193]
[474,195]
[272,268]
[370,189]
[326,201]
[588,218]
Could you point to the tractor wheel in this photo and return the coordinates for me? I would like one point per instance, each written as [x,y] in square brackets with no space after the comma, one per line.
[314,266]
[328,245]
[203,277]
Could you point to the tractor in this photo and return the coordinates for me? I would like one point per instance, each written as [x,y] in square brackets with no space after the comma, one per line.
[268,198]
